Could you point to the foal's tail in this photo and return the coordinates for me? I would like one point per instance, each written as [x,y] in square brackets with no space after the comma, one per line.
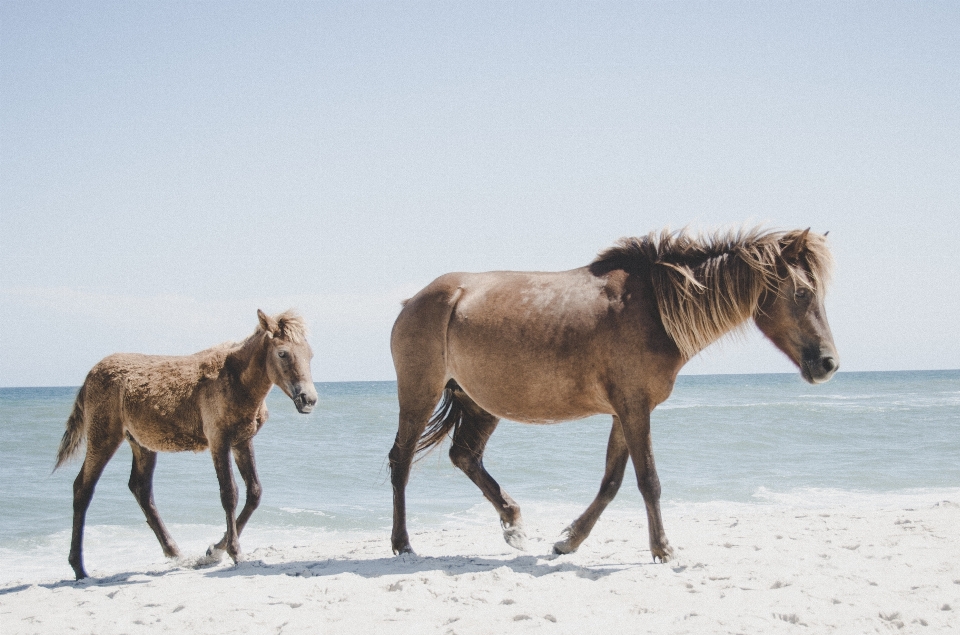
[76,430]
[448,416]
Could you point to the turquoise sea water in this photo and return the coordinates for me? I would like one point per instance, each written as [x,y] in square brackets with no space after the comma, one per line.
[754,439]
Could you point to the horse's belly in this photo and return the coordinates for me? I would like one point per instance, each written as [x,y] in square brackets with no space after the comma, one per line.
[530,393]
[167,436]
[523,380]
[525,407]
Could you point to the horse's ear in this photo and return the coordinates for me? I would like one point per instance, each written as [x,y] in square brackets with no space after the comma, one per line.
[267,323]
[793,249]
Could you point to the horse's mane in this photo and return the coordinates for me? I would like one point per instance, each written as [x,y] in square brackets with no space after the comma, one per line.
[708,285]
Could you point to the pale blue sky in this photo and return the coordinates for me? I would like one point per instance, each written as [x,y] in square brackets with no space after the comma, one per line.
[167,168]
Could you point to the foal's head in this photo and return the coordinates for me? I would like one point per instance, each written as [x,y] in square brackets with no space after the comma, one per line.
[792,314]
[288,357]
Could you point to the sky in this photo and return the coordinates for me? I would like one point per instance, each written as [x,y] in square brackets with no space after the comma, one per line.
[168,168]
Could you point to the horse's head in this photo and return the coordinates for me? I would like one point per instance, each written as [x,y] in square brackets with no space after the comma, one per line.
[288,357]
[792,316]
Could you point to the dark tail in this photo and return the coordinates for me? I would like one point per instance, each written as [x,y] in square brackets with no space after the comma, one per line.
[76,430]
[448,416]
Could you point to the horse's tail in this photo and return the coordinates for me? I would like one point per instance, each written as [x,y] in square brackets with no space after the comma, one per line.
[448,416]
[76,430]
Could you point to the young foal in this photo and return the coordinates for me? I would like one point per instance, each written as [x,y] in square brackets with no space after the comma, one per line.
[214,398]
[607,338]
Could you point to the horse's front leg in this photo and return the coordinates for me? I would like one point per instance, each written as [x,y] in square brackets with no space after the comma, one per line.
[243,455]
[616,465]
[220,450]
[635,424]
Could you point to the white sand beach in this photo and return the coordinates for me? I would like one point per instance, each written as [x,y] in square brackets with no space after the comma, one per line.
[744,569]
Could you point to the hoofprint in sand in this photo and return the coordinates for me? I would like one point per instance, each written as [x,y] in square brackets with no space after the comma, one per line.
[739,569]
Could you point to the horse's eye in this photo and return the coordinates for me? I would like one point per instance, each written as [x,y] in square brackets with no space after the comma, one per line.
[802,293]
[281,353]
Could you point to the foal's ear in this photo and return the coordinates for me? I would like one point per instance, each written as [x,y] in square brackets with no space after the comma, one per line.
[267,323]
[792,250]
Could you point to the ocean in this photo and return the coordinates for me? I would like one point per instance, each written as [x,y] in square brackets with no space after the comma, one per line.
[874,439]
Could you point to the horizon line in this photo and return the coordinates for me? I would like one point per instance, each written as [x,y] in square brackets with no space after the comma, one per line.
[393,381]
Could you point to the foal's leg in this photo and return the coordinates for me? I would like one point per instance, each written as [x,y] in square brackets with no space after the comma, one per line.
[220,451]
[243,455]
[141,484]
[102,442]
[635,423]
[579,529]
[469,441]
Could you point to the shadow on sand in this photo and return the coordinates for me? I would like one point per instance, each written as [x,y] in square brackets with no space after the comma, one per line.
[406,564]
[412,564]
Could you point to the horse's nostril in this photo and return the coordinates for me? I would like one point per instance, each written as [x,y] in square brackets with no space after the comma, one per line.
[829,364]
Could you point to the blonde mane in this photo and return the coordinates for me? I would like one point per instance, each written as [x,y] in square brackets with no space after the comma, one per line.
[291,326]
[709,285]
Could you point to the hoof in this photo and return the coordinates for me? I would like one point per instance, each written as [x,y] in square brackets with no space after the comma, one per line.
[408,557]
[566,545]
[213,557]
[217,551]
[663,554]
[76,563]
[516,537]
[563,547]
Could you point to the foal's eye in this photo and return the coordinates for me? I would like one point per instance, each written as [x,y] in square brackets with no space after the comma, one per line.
[802,293]
[281,353]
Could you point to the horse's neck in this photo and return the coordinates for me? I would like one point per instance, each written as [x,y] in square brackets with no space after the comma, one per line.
[249,362]
[695,320]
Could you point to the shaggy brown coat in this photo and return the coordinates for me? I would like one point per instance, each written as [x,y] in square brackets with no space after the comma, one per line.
[214,398]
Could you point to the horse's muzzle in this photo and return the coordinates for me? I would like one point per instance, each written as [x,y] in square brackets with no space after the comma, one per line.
[819,369]
[305,402]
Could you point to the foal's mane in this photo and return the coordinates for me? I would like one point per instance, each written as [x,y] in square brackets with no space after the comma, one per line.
[290,326]
[708,285]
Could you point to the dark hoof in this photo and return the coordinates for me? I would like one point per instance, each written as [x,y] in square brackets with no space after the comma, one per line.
[77,565]
[663,554]
[234,554]
[215,553]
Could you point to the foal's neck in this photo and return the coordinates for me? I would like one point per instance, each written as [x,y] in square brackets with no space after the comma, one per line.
[250,363]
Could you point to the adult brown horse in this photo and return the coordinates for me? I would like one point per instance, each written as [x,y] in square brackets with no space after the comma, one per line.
[214,398]
[606,338]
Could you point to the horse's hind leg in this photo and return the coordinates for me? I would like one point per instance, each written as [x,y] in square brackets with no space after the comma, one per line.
[579,529]
[418,345]
[469,441]
[102,443]
[243,455]
[414,414]
[141,485]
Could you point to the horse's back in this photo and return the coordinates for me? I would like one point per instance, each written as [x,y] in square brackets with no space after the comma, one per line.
[514,341]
